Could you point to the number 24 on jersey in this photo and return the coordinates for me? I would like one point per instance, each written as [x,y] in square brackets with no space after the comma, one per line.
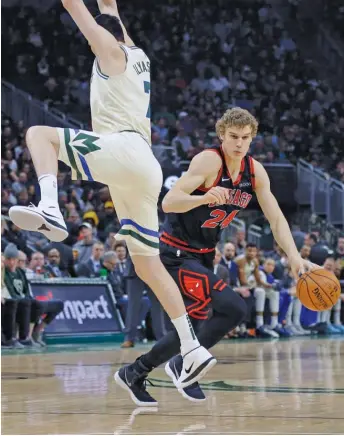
[219,218]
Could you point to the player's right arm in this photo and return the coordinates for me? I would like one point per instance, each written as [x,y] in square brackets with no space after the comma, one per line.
[110,7]
[203,168]
[104,45]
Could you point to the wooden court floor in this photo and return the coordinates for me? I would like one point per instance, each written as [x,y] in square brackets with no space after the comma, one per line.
[293,386]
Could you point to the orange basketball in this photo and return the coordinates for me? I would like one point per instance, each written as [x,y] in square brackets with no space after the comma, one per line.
[318,290]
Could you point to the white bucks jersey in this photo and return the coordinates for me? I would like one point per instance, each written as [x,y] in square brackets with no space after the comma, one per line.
[122,102]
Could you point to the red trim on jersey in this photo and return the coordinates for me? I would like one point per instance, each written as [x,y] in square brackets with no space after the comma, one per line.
[166,235]
[252,174]
[221,288]
[242,169]
[218,283]
[203,188]
[182,247]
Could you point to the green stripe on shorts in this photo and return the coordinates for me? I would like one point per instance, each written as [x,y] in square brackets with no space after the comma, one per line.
[71,154]
[139,238]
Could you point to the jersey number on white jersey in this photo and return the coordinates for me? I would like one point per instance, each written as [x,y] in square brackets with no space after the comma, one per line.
[147,86]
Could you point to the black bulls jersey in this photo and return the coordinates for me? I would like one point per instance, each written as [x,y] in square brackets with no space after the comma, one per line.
[198,230]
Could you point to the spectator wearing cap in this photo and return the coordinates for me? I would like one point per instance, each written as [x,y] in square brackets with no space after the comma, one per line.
[91,217]
[92,266]
[107,218]
[82,250]
[19,289]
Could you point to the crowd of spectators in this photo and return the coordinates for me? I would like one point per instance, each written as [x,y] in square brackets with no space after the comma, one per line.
[205,57]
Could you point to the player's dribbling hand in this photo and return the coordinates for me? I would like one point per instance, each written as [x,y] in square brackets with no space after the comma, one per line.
[300,266]
[216,195]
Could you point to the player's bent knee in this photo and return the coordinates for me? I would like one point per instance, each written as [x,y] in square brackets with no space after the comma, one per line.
[233,306]
[39,132]
[31,135]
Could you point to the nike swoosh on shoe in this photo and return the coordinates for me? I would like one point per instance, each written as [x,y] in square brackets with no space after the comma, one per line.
[189,369]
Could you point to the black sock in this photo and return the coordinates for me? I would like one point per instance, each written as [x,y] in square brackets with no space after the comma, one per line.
[163,350]
[144,362]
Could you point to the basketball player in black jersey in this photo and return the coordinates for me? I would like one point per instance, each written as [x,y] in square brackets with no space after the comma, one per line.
[218,184]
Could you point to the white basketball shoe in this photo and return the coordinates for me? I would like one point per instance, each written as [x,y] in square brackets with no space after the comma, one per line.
[196,363]
[45,219]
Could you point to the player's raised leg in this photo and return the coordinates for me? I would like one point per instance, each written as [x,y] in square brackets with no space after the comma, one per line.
[43,143]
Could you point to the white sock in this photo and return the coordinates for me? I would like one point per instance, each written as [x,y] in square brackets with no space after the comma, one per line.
[48,185]
[297,312]
[187,337]
[337,318]
[259,321]
[336,310]
[289,312]
[274,321]
[325,316]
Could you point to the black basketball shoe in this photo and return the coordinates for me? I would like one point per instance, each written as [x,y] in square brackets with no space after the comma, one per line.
[133,379]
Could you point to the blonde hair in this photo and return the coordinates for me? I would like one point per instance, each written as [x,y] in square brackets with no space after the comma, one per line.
[236,117]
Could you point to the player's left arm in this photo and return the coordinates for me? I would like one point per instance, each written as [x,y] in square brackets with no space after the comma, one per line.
[278,223]
[104,45]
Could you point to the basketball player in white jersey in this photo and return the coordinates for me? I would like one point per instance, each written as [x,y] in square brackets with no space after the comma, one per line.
[117,153]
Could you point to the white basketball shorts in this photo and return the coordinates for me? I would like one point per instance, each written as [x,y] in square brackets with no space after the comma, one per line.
[125,162]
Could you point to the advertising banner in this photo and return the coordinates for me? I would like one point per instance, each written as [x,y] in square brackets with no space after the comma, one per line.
[89,308]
